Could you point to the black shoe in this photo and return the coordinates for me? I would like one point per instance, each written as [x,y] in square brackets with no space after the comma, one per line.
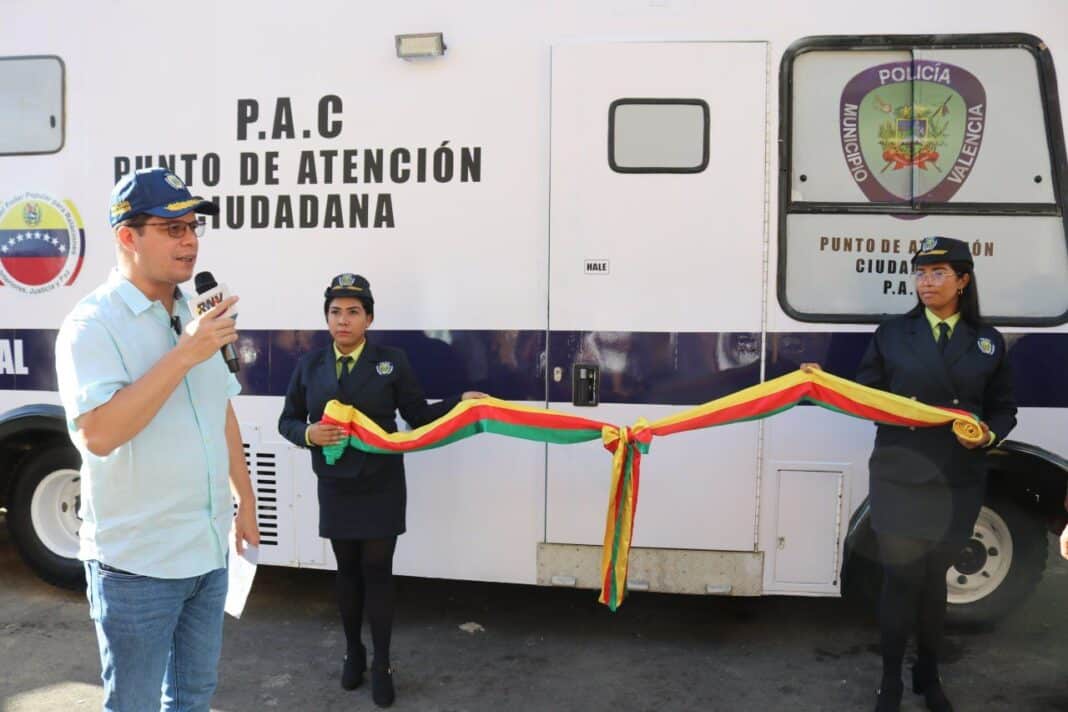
[889,699]
[930,686]
[382,686]
[352,668]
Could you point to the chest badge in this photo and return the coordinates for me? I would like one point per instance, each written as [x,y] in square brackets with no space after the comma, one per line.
[986,346]
[385,368]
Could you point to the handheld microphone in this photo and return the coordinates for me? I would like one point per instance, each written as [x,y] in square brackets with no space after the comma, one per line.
[209,294]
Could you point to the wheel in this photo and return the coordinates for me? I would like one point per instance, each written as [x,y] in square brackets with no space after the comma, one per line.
[999,567]
[862,582]
[995,571]
[43,515]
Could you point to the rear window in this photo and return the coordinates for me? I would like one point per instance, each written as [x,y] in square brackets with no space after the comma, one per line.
[887,141]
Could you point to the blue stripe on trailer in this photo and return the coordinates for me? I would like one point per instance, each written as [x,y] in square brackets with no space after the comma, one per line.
[670,368]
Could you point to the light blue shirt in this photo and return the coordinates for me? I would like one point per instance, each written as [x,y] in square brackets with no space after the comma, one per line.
[158,505]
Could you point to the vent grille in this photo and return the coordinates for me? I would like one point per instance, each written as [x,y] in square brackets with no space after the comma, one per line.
[262,467]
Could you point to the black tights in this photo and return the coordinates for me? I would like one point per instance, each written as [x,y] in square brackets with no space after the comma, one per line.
[365,580]
[914,594]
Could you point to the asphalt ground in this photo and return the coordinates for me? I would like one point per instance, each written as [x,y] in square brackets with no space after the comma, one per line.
[545,649]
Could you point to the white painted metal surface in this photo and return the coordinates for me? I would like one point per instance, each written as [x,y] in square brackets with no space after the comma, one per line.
[530,86]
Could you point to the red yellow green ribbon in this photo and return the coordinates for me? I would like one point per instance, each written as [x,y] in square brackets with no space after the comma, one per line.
[490,415]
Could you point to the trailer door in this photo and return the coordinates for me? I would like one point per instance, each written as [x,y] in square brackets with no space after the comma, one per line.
[657,244]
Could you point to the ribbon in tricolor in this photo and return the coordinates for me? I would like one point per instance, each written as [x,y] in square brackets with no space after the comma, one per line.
[490,415]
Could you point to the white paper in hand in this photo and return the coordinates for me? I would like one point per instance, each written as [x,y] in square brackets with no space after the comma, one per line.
[242,571]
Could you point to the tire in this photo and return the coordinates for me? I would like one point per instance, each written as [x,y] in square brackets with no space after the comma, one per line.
[1000,567]
[43,515]
[862,582]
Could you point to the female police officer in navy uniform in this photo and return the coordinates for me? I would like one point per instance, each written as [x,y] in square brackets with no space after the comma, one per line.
[362,496]
[926,485]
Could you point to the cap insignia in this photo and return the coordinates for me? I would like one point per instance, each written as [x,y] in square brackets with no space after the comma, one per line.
[182,204]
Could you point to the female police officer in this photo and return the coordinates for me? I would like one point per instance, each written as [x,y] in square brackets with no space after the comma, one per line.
[362,496]
[926,485]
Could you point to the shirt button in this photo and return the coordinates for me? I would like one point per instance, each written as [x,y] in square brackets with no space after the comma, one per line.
[912,427]
[912,397]
[956,402]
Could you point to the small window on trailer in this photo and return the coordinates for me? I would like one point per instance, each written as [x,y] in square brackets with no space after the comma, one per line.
[31,105]
[658,135]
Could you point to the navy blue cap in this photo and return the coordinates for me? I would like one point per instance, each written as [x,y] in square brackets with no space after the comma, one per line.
[349,285]
[942,249]
[155,191]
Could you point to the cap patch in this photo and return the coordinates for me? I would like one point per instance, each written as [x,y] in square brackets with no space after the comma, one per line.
[174,181]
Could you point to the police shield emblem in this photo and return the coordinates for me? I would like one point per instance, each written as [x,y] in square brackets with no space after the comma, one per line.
[986,346]
[384,368]
[911,131]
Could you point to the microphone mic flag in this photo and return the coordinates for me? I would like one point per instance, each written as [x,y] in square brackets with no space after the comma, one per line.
[209,294]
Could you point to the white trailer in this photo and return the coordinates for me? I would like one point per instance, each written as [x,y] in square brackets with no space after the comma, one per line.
[619,208]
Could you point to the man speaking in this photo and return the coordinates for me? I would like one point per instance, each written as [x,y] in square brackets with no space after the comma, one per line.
[147,400]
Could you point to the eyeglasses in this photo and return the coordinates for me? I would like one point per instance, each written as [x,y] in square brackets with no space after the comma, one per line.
[935,276]
[176,228]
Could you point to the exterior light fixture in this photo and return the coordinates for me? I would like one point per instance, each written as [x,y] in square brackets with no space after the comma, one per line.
[420,46]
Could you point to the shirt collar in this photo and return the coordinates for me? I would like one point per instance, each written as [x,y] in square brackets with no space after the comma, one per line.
[934,321]
[135,299]
[355,354]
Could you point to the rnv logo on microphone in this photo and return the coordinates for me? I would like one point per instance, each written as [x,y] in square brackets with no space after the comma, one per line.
[205,306]
[203,303]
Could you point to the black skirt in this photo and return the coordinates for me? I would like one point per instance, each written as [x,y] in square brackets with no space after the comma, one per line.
[930,511]
[348,509]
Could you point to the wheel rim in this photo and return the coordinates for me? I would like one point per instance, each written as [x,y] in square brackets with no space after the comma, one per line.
[983,563]
[54,512]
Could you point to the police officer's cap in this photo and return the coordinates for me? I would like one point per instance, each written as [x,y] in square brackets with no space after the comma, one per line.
[349,285]
[942,249]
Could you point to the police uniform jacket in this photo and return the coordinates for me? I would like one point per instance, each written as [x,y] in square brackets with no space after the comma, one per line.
[362,495]
[973,375]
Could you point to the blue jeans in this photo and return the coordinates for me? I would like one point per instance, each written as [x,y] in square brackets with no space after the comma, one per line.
[159,638]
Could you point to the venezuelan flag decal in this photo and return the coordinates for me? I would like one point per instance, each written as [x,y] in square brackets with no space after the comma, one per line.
[42,243]
[628,444]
